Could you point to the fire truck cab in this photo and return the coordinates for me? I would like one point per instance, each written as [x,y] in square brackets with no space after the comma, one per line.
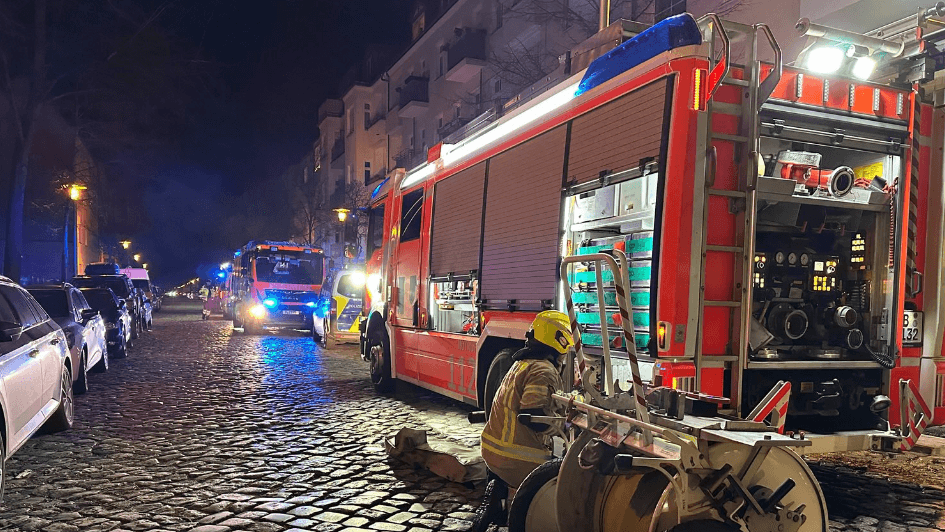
[275,284]
[778,227]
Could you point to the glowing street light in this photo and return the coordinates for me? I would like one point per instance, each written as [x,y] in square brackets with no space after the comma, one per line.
[136,257]
[145,265]
[125,244]
[225,266]
[75,192]
[342,214]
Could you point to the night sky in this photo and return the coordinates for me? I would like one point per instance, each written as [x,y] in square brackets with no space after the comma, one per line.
[272,64]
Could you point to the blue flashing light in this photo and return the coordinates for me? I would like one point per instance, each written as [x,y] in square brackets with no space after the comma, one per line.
[221,275]
[673,32]
[310,304]
[378,188]
[270,302]
[238,253]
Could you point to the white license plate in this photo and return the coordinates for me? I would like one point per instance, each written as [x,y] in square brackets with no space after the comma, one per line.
[291,312]
[912,328]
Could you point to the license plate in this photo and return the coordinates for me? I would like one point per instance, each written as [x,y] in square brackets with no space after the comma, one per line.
[291,312]
[912,328]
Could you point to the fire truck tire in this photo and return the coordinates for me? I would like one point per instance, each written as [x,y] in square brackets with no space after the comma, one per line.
[499,366]
[533,507]
[379,358]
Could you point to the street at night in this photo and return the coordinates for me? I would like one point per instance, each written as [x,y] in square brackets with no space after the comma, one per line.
[472,265]
[205,427]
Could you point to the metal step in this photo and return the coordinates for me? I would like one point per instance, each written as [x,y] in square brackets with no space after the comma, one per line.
[711,303]
[727,249]
[732,138]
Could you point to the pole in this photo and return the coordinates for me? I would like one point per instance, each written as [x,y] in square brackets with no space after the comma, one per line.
[65,242]
[604,14]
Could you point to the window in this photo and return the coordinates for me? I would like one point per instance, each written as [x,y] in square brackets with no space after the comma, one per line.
[367,172]
[442,66]
[367,115]
[6,310]
[668,8]
[497,87]
[20,303]
[54,301]
[499,8]
[439,122]
[350,120]
[375,229]
[411,215]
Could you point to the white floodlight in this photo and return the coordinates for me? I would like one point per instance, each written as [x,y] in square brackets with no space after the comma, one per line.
[863,67]
[825,59]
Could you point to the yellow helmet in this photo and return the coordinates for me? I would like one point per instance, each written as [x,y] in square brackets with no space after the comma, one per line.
[553,329]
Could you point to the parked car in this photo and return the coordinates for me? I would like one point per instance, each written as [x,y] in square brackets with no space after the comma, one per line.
[124,289]
[142,281]
[35,369]
[158,299]
[83,325]
[118,321]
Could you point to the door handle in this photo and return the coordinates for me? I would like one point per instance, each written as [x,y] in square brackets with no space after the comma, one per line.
[34,353]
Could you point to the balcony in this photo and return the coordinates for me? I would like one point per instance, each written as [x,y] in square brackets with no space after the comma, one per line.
[409,158]
[338,149]
[370,122]
[466,56]
[335,108]
[450,127]
[414,96]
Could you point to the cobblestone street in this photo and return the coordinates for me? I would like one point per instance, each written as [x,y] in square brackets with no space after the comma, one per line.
[203,428]
[206,429]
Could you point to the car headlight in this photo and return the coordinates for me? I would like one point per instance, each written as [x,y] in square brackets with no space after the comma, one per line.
[258,311]
[374,283]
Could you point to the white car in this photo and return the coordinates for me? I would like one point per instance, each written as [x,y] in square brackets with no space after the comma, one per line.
[35,371]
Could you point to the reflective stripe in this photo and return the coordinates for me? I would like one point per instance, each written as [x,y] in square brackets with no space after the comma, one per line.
[517,452]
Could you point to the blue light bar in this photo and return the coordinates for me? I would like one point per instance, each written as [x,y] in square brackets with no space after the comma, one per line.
[378,188]
[673,32]
[270,302]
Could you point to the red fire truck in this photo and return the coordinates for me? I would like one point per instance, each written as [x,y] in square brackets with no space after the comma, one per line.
[275,284]
[778,226]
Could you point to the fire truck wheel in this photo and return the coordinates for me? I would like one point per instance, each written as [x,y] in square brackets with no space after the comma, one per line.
[497,369]
[533,507]
[379,358]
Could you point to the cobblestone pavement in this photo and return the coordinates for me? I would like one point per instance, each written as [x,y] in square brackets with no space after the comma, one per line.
[206,429]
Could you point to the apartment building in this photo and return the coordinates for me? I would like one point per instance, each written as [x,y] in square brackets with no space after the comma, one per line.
[470,58]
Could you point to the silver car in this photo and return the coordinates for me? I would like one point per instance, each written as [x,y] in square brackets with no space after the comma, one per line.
[35,371]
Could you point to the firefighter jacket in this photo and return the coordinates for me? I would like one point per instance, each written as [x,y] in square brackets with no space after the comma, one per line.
[510,449]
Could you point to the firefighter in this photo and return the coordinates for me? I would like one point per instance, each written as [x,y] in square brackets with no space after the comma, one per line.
[512,449]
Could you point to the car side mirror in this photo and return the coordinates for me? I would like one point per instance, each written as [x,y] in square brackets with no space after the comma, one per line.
[10,331]
[88,314]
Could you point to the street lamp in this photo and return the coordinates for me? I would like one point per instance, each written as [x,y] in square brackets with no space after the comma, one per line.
[136,257]
[125,244]
[343,218]
[145,265]
[74,192]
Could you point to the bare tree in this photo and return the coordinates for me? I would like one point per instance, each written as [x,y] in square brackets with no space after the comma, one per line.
[117,80]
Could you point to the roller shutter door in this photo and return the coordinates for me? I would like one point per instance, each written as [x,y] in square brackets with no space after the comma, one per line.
[523,206]
[616,136]
[457,222]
